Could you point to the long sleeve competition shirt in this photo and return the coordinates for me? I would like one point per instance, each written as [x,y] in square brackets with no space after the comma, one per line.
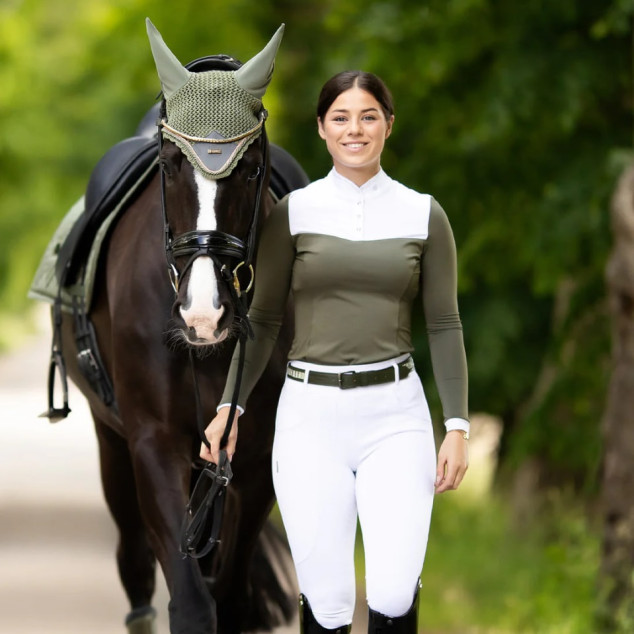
[355,258]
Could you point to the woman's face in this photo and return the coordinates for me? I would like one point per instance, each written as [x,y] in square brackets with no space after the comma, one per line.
[355,129]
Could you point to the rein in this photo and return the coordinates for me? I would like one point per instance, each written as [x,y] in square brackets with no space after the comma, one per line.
[203,513]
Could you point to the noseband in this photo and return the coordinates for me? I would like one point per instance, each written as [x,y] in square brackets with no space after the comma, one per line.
[212,244]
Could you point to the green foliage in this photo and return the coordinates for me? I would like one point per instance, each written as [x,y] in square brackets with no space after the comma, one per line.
[514,115]
[517,116]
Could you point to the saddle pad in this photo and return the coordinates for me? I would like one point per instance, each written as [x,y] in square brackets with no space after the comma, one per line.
[45,285]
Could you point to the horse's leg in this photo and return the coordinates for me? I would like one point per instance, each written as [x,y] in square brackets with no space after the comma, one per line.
[135,559]
[259,576]
[239,607]
[162,467]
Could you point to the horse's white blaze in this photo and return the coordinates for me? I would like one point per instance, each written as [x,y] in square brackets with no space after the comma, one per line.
[203,311]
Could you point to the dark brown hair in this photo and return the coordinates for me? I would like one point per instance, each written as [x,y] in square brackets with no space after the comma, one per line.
[348,79]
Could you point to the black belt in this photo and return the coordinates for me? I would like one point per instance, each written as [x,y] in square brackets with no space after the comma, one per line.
[350,379]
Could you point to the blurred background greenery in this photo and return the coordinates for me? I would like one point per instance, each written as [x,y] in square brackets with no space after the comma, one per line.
[516,116]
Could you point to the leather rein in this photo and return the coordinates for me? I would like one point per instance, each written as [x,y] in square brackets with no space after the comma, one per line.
[203,513]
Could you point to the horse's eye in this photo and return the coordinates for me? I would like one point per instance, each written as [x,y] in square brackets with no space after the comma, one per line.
[254,174]
[165,167]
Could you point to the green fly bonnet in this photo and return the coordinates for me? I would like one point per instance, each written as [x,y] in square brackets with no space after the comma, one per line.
[213,116]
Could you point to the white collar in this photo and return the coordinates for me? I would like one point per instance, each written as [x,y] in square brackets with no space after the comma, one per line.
[374,186]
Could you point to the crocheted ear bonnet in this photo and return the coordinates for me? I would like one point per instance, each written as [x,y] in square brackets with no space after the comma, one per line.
[213,116]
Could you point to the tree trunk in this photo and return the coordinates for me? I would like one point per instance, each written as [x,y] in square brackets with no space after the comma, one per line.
[617,566]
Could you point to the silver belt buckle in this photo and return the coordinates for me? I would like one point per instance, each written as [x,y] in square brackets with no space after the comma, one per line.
[340,380]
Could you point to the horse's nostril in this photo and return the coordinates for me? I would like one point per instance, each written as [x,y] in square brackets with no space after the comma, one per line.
[192,332]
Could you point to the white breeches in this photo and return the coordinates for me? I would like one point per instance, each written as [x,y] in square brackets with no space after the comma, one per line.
[366,452]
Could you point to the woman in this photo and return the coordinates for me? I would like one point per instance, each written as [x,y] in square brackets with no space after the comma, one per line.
[356,247]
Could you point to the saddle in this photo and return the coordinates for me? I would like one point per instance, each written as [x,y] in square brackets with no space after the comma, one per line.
[115,174]
[116,180]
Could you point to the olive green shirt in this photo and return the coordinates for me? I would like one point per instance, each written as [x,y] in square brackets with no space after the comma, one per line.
[355,258]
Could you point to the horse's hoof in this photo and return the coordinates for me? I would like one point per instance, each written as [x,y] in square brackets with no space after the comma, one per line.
[141,621]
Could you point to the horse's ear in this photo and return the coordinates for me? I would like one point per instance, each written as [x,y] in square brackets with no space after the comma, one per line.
[171,72]
[254,76]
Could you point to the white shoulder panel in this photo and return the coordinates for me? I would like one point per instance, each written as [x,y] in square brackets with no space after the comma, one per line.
[398,212]
[389,210]
[316,209]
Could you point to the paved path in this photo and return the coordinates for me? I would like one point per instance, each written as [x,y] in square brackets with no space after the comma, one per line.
[57,540]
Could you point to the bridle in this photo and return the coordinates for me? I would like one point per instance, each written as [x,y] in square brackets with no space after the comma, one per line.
[212,243]
[203,515]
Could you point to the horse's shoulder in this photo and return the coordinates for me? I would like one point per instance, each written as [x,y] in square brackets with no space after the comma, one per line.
[287,174]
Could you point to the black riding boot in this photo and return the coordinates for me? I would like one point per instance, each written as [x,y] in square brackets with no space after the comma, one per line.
[308,623]
[406,624]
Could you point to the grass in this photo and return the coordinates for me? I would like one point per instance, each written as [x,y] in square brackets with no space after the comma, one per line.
[484,574]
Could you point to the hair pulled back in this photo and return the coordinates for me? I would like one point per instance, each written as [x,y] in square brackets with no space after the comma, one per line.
[349,79]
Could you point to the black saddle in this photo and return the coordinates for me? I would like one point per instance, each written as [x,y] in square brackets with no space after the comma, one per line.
[114,175]
[123,165]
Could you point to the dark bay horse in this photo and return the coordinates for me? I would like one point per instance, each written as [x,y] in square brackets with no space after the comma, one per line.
[211,165]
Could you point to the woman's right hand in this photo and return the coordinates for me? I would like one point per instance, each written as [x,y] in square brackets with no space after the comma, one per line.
[214,433]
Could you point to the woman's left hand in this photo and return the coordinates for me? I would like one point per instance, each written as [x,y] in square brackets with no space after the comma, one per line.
[453,461]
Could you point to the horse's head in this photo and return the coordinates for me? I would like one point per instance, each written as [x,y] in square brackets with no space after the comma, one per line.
[214,173]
